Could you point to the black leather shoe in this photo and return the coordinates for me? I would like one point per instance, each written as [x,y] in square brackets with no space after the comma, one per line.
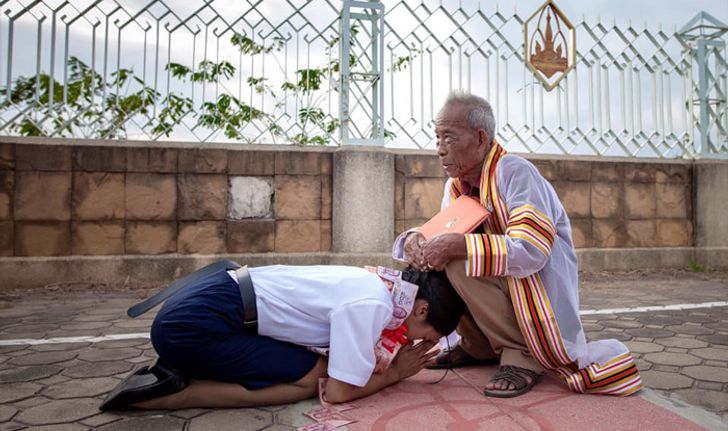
[144,384]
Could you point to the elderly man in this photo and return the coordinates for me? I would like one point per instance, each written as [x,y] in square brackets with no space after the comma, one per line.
[517,273]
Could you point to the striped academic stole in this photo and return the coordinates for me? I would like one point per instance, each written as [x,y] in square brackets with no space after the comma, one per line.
[487,256]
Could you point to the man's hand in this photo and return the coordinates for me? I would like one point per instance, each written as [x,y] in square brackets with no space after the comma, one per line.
[413,249]
[440,250]
[411,359]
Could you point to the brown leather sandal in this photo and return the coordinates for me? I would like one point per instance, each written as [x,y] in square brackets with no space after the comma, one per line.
[457,357]
[516,376]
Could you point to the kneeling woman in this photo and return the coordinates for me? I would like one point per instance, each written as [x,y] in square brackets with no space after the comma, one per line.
[241,338]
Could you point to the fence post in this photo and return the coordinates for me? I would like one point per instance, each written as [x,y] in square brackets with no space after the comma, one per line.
[703,37]
[362,75]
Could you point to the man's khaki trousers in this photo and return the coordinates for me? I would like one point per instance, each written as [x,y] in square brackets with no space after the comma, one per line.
[489,328]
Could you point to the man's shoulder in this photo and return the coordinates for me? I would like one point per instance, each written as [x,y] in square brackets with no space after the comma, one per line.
[514,165]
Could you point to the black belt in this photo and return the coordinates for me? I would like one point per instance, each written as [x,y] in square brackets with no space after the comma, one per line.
[247,293]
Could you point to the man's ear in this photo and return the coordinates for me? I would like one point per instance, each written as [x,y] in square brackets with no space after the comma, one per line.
[422,309]
[483,138]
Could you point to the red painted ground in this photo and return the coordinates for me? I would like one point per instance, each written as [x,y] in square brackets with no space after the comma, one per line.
[456,404]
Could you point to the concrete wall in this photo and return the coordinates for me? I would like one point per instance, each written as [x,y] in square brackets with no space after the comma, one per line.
[97,198]
[612,202]
[85,205]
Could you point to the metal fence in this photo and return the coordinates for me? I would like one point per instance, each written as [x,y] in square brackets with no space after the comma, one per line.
[271,72]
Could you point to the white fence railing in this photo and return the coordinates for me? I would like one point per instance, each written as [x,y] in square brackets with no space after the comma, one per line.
[269,71]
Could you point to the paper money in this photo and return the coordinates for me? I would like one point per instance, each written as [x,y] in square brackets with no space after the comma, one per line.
[342,407]
[329,416]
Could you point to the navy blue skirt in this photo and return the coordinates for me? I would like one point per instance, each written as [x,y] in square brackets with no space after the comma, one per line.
[200,332]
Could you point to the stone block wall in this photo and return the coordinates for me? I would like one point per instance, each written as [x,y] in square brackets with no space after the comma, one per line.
[612,202]
[80,199]
[63,197]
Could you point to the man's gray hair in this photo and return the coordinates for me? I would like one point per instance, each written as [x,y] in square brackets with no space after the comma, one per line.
[480,114]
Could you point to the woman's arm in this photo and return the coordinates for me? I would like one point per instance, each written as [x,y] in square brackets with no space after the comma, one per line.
[409,360]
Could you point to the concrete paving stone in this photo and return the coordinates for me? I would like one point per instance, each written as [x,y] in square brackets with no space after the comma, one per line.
[642,365]
[101,419]
[650,332]
[278,427]
[52,347]
[620,324]
[96,317]
[61,427]
[49,317]
[7,413]
[609,335]
[147,423]
[293,415]
[141,359]
[10,392]
[666,368]
[98,369]
[138,324]
[643,347]
[696,317]
[21,311]
[27,374]
[649,319]
[675,349]
[32,402]
[12,426]
[711,353]
[188,413]
[718,326]
[118,330]
[715,363]
[712,400]
[99,355]
[78,388]
[10,349]
[675,359]
[665,381]
[715,339]
[25,335]
[31,328]
[710,386]
[690,329]
[116,344]
[59,412]
[84,326]
[53,380]
[20,353]
[272,408]
[44,358]
[602,317]
[682,342]
[246,419]
[704,372]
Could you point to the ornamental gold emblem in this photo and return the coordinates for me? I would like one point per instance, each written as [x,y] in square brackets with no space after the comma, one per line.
[550,44]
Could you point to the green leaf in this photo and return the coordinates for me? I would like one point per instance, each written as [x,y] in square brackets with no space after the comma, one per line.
[309,79]
[178,70]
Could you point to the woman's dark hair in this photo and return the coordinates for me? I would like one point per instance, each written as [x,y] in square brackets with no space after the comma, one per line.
[446,306]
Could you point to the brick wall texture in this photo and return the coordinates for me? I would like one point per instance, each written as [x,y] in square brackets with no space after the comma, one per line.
[72,199]
[58,200]
[615,203]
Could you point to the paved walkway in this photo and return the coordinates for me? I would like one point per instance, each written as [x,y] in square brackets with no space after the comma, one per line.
[50,380]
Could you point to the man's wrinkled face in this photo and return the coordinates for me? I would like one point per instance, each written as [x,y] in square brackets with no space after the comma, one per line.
[461,149]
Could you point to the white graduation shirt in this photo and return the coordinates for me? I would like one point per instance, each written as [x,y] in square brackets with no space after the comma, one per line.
[345,308]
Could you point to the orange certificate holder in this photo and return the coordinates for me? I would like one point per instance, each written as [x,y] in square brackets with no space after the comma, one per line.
[462,216]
